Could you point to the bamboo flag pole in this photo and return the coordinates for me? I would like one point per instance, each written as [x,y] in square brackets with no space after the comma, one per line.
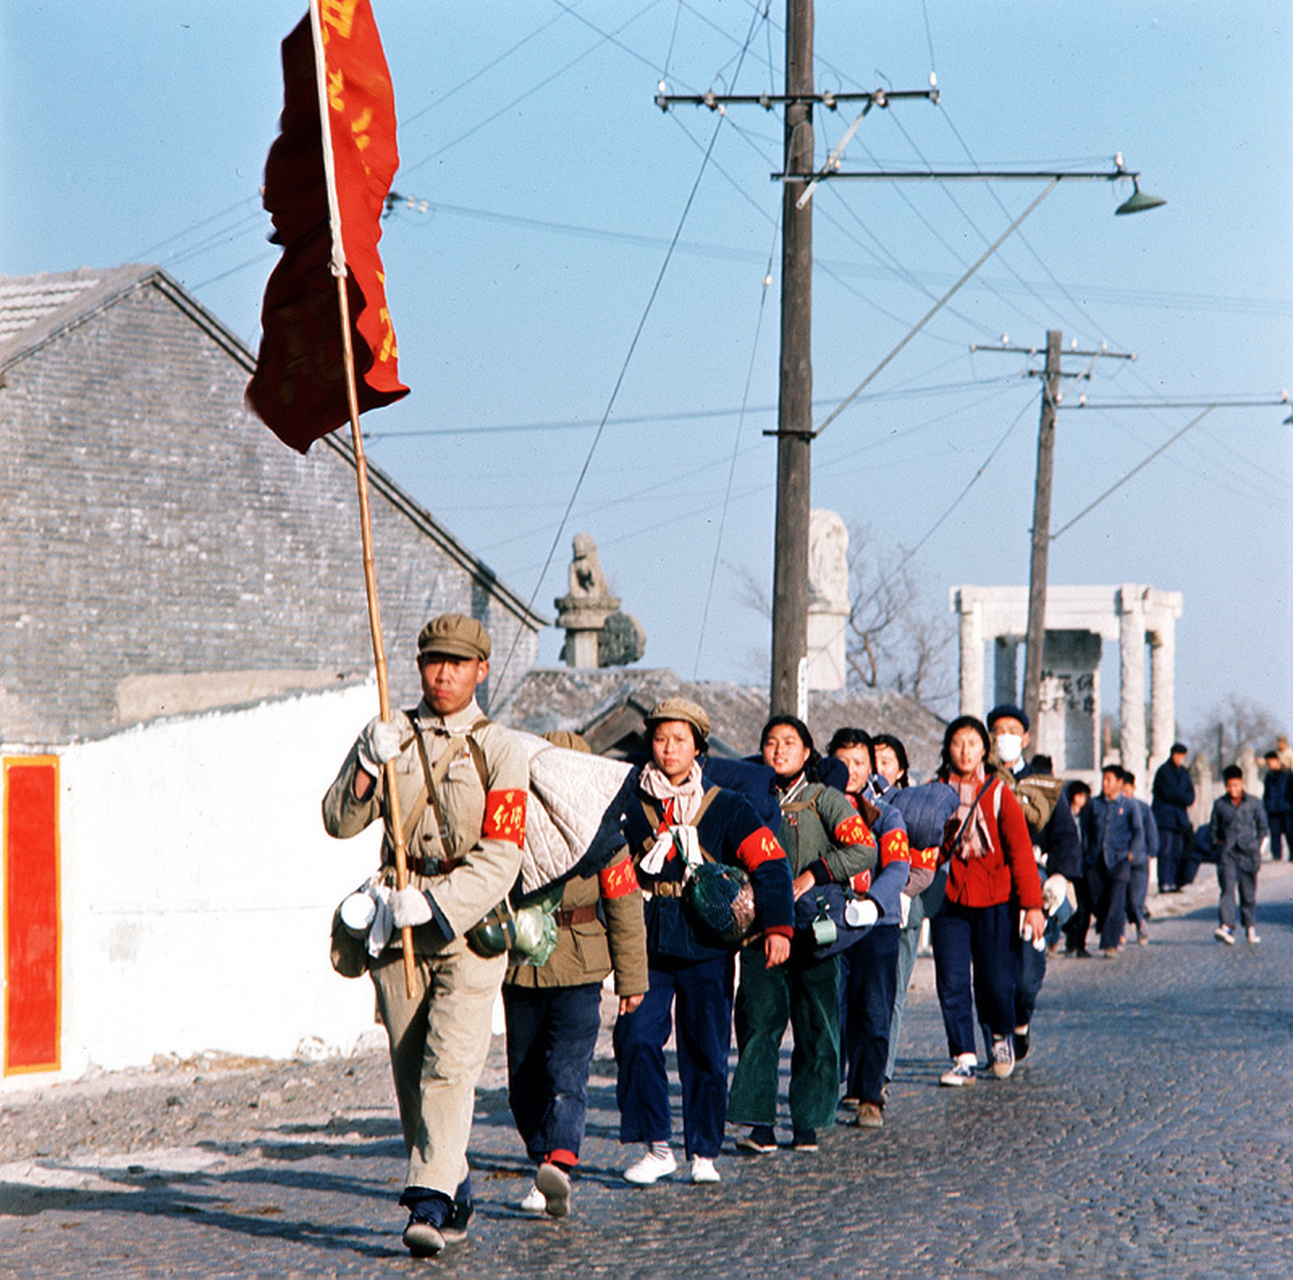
[393,817]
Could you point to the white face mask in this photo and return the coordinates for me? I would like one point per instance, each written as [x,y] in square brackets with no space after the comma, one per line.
[1010,746]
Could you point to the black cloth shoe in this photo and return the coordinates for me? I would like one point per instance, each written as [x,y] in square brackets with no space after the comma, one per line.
[759,1141]
[429,1214]
[804,1140]
[1022,1041]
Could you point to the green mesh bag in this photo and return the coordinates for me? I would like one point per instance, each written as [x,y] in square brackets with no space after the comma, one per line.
[720,901]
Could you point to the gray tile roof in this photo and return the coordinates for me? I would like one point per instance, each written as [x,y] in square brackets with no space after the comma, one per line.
[591,701]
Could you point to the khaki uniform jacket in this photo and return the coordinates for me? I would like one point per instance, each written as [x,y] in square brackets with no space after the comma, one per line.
[477,828]
[587,950]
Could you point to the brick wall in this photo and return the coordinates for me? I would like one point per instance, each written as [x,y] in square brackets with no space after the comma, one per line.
[152,525]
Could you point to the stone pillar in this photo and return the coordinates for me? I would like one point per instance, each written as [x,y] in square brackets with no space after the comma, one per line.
[828,599]
[583,611]
[1131,641]
[1005,670]
[1068,714]
[971,658]
[1162,688]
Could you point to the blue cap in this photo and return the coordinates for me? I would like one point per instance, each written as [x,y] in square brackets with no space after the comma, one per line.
[1008,710]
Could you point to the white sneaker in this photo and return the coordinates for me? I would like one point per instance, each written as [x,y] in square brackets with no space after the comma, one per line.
[535,1201]
[650,1168]
[1252,934]
[962,1072]
[702,1170]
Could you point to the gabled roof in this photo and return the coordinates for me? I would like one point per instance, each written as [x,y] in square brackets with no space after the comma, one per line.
[35,310]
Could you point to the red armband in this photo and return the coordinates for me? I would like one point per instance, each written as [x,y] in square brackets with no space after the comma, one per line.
[862,882]
[757,848]
[505,816]
[618,879]
[926,859]
[854,830]
[894,848]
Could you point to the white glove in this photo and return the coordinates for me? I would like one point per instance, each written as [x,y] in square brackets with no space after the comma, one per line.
[904,903]
[861,913]
[409,907]
[379,742]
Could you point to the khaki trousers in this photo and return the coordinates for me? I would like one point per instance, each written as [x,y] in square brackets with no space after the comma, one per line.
[438,1043]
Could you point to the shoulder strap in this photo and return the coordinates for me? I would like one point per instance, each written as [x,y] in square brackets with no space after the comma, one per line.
[654,818]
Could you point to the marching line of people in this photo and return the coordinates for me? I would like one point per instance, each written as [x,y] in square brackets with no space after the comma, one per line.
[811,877]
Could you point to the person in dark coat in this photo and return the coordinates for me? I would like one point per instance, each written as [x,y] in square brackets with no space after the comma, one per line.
[1173,795]
[1277,799]
[1113,839]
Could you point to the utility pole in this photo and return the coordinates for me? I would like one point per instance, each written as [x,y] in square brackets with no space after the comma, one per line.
[1039,559]
[795,402]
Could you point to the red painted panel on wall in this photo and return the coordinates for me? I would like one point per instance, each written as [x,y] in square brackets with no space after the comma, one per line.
[31,914]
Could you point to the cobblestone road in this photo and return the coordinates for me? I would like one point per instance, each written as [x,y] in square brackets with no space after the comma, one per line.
[1149,1133]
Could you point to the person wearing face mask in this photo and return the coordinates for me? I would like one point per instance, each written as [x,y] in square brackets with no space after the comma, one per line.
[826,840]
[1056,846]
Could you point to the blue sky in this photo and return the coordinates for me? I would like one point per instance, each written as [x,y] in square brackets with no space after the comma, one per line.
[553,187]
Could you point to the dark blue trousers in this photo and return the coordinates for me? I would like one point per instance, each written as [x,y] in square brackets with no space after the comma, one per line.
[1281,825]
[1113,903]
[551,1035]
[694,1000]
[868,984]
[974,940]
[1171,854]
[1030,973]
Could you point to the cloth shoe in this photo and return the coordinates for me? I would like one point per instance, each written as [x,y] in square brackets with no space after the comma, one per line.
[430,1213]
[1023,1041]
[1252,934]
[962,1072]
[759,1141]
[1223,933]
[1003,1057]
[650,1168]
[454,1227]
[804,1140]
[870,1116]
[534,1201]
[702,1170]
[553,1183]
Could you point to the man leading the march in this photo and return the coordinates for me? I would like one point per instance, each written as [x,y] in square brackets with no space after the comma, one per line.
[462,785]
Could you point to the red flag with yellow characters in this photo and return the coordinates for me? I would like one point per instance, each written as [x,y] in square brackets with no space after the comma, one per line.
[327,217]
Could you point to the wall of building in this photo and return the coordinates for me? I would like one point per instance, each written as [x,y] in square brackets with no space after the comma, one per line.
[197,885]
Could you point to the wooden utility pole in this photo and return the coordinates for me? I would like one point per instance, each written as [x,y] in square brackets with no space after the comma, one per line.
[1039,560]
[795,408]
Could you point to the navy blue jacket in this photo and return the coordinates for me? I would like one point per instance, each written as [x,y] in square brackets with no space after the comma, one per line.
[1275,791]
[729,831]
[1112,830]
[1173,795]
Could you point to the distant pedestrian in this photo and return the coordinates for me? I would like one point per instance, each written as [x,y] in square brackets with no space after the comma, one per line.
[1173,794]
[1277,799]
[1113,838]
[1238,827]
[1138,883]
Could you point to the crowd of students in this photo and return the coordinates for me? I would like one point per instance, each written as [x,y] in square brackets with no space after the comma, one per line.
[826,880]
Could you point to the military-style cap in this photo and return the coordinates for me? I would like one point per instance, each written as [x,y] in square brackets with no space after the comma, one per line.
[689,712]
[456,635]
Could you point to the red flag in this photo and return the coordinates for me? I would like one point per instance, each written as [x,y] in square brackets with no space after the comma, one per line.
[299,387]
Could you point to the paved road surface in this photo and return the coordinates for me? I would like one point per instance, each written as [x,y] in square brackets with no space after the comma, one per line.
[1150,1133]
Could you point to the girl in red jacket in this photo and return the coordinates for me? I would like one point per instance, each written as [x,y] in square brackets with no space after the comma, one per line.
[990,860]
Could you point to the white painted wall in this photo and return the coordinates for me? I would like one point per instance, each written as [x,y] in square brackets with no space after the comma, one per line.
[198,887]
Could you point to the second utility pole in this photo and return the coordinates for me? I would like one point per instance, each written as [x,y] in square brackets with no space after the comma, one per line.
[795,407]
